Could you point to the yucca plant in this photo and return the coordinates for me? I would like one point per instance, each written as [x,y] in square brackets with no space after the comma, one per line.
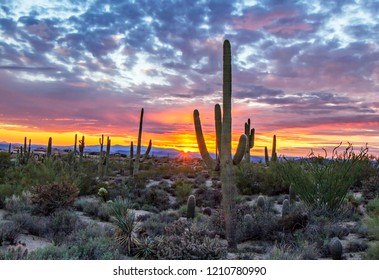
[124,219]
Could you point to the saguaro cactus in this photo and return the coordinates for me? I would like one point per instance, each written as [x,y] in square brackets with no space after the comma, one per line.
[81,148]
[108,151]
[191,207]
[250,133]
[49,147]
[274,155]
[224,145]
[138,158]
[76,140]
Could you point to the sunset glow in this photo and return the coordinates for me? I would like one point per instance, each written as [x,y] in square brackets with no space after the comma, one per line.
[306,71]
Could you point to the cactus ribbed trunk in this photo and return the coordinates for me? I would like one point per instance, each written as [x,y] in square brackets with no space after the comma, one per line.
[49,147]
[107,156]
[274,156]
[228,180]
[138,152]
[76,140]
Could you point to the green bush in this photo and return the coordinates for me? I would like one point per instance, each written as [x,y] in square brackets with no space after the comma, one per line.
[323,183]
[248,178]
[7,191]
[183,189]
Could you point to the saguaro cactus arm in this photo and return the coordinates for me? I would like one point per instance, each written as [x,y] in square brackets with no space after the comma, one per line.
[209,161]
[238,156]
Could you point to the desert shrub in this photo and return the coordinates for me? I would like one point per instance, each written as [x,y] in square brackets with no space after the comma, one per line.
[19,203]
[7,190]
[35,225]
[183,189]
[61,224]
[5,164]
[39,173]
[48,198]
[186,241]
[86,246]
[155,224]
[9,231]
[17,252]
[86,183]
[103,212]
[370,187]
[89,206]
[272,182]
[372,252]
[157,198]
[321,182]
[208,197]
[51,252]
[83,246]
[248,178]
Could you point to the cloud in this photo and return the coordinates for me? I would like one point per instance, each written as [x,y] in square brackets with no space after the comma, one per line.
[295,63]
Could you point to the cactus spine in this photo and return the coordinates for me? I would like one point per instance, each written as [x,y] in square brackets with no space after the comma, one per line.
[49,145]
[191,207]
[138,159]
[224,146]
[250,133]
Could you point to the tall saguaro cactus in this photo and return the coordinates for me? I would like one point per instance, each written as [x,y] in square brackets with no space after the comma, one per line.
[250,133]
[81,148]
[274,155]
[49,147]
[224,144]
[138,159]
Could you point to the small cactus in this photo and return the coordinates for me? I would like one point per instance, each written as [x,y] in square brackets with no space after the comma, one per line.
[247,224]
[207,211]
[285,207]
[261,203]
[292,195]
[335,248]
[191,206]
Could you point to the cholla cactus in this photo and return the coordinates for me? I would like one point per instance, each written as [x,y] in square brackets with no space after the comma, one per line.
[103,193]
[285,207]
[191,207]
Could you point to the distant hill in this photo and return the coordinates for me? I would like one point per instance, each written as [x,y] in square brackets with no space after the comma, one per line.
[157,152]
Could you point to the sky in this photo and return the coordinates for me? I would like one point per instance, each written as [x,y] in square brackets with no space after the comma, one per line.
[307,71]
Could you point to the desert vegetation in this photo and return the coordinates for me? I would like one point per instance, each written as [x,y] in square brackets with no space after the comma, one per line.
[105,206]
